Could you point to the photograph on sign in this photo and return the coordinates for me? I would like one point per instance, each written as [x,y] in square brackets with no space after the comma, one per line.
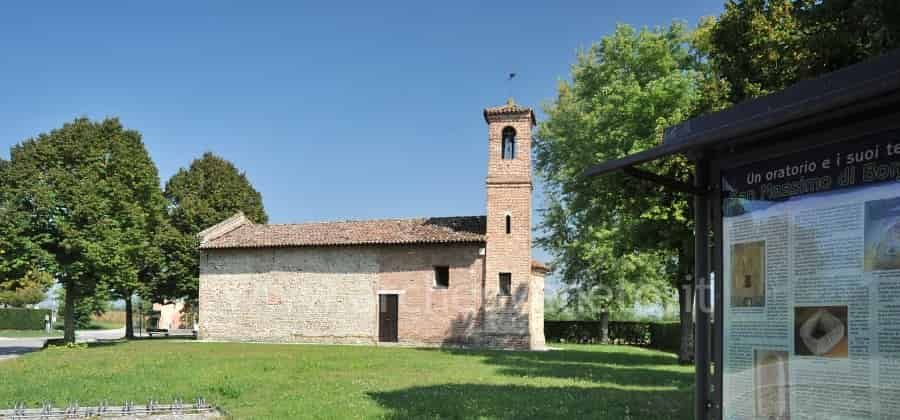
[883,235]
[820,331]
[771,383]
[748,274]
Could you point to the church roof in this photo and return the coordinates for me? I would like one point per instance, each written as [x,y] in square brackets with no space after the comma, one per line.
[539,267]
[434,230]
[510,108]
[239,232]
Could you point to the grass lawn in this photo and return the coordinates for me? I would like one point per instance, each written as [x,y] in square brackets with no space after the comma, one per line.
[311,381]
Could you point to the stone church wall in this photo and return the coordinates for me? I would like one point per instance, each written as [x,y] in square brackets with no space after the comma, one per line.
[324,295]
[330,295]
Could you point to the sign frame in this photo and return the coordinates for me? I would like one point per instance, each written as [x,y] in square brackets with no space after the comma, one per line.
[840,132]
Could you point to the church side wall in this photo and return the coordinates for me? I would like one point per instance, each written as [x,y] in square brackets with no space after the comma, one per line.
[330,295]
[318,295]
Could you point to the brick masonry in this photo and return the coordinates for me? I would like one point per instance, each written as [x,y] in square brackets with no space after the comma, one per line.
[330,294]
[509,191]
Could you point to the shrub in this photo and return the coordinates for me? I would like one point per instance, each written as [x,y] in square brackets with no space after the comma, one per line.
[22,319]
[21,297]
[659,335]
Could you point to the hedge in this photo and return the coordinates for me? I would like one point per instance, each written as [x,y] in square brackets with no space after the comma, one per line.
[22,319]
[659,335]
[666,336]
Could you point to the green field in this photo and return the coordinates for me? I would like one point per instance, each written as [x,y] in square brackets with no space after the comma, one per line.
[311,381]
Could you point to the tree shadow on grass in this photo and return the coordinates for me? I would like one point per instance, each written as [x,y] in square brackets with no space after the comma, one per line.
[468,401]
[571,356]
[616,368]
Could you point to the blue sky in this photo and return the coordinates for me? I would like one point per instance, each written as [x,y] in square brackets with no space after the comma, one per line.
[334,110]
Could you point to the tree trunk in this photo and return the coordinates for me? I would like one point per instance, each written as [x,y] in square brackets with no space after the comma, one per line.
[129,320]
[604,327]
[686,317]
[69,317]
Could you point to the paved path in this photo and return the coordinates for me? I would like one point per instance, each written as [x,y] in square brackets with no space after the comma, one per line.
[14,347]
[87,336]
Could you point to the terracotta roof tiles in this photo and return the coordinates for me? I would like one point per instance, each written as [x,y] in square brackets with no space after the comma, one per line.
[510,108]
[539,266]
[360,232]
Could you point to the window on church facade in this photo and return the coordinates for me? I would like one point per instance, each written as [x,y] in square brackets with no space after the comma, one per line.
[441,277]
[509,143]
[508,224]
[505,284]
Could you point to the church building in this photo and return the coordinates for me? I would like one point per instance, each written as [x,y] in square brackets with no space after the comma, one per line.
[454,281]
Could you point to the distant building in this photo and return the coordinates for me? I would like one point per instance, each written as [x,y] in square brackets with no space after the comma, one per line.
[466,281]
[170,316]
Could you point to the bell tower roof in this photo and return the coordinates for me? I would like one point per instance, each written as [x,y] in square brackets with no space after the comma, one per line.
[510,109]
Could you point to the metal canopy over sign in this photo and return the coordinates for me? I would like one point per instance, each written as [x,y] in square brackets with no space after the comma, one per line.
[801,190]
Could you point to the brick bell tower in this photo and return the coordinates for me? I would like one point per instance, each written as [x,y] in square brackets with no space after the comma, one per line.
[507,275]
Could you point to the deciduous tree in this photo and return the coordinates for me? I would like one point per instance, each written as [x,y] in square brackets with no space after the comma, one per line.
[86,200]
[29,289]
[209,191]
[761,46]
[614,232]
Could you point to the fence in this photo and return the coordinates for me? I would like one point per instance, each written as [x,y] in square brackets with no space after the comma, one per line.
[153,409]
[22,319]
[659,335]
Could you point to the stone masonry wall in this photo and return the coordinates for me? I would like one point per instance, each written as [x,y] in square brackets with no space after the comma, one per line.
[330,295]
[289,295]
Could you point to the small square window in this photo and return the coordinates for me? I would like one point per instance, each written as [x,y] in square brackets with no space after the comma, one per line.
[441,277]
[505,284]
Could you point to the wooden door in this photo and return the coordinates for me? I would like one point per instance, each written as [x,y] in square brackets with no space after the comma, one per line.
[387,318]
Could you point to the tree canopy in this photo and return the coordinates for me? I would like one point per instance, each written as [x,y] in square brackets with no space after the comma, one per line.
[612,232]
[84,201]
[208,192]
[760,46]
[29,289]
